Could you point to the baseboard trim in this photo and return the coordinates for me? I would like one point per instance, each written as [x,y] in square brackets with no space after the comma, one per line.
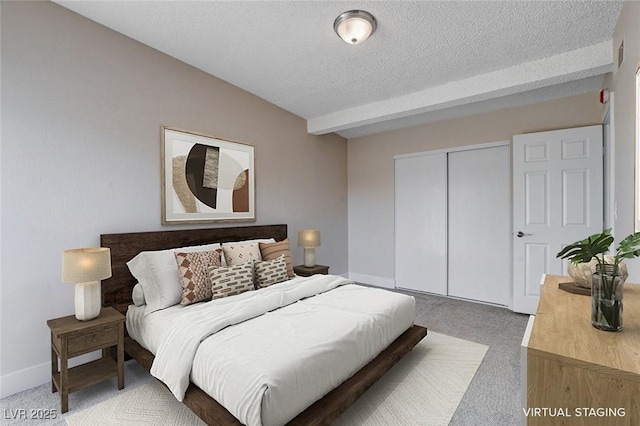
[37,375]
[373,280]
[24,379]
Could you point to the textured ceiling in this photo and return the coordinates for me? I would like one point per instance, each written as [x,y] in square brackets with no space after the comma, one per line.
[427,61]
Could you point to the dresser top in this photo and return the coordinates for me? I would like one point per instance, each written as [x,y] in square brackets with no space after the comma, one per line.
[563,330]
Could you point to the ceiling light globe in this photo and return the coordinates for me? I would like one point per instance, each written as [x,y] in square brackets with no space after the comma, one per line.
[355,26]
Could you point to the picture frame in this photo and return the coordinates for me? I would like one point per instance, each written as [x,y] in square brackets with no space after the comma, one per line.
[206,179]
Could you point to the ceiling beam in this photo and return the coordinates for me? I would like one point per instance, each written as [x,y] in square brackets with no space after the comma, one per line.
[565,67]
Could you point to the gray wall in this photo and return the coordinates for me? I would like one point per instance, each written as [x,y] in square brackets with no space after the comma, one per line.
[371,202]
[82,108]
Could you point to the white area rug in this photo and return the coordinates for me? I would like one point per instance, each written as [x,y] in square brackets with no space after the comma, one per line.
[151,404]
[424,388]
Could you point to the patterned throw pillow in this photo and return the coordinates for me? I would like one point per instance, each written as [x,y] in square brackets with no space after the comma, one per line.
[270,251]
[232,280]
[236,254]
[193,272]
[271,272]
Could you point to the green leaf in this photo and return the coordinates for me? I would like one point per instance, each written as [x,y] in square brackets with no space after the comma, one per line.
[628,247]
[587,249]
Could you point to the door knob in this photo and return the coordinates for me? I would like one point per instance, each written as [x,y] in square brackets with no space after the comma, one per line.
[521,234]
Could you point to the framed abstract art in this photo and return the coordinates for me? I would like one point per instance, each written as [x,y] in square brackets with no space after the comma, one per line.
[206,179]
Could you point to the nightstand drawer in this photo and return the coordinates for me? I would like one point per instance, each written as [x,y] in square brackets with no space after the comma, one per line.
[92,341]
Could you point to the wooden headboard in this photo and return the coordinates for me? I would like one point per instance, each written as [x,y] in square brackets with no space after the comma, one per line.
[116,291]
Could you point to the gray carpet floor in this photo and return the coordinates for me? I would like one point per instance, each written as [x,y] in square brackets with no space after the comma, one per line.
[493,398]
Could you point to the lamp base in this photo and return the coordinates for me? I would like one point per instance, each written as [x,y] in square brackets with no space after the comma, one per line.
[87,300]
[309,257]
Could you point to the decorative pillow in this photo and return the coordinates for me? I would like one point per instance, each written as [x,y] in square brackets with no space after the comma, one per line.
[193,271]
[271,272]
[138,295]
[237,254]
[243,243]
[270,251]
[157,273]
[231,280]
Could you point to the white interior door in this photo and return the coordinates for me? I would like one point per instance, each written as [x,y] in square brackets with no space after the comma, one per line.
[557,199]
[421,223]
[479,224]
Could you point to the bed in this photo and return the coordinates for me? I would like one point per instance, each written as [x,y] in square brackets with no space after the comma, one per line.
[117,292]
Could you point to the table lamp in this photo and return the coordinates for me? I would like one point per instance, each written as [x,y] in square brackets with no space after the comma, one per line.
[85,268]
[309,239]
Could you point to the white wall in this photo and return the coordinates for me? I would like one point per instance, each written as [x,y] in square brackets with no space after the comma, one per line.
[82,108]
[623,84]
[370,169]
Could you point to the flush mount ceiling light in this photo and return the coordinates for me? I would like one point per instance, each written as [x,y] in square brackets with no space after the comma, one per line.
[355,26]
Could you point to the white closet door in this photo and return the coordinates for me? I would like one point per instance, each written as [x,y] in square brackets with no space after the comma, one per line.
[421,223]
[479,224]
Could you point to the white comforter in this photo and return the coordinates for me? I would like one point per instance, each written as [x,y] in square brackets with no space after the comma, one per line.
[267,370]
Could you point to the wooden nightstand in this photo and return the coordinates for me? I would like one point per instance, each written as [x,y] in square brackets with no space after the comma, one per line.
[70,337]
[307,271]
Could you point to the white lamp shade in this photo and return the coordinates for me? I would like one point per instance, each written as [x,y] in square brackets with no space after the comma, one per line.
[86,265]
[355,26]
[308,238]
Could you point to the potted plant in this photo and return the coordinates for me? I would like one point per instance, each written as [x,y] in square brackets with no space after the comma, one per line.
[607,283]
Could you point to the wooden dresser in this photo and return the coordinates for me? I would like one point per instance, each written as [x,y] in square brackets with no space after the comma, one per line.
[575,374]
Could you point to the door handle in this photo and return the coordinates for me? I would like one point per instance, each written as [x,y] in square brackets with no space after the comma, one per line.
[521,234]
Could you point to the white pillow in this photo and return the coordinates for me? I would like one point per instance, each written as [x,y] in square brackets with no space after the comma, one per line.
[157,273]
[138,295]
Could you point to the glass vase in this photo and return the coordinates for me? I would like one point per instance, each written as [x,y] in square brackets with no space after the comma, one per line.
[606,298]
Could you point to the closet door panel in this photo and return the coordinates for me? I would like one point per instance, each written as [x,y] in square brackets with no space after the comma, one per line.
[421,223]
[479,224]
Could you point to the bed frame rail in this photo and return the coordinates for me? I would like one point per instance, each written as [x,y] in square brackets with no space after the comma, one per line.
[322,412]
